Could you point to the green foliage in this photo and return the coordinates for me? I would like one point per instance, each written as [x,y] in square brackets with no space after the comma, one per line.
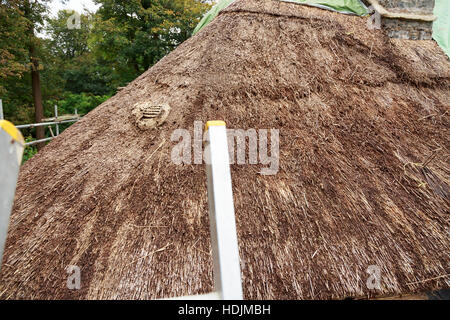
[83,103]
[68,43]
[19,20]
[29,151]
[13,51]
[133,35]
[81,68]
[72,63]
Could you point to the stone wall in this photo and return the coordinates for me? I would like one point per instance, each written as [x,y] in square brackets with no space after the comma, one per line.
[404,28]
[413,6]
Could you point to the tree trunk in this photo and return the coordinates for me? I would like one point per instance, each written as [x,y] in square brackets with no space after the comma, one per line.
[35,78]
[37,96]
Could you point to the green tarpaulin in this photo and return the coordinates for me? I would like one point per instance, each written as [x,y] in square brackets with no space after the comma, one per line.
[343,6]
[441,27]
[211,14]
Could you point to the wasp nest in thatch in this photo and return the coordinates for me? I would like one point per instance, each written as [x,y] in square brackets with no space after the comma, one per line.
[149,115]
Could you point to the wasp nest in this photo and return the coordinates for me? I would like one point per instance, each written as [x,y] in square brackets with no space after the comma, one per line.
[149,115]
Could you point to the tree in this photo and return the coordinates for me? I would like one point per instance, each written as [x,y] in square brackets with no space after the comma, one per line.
[34,12]
[82,66]
[67,41]
[71,61]
[133,35]
[13,51]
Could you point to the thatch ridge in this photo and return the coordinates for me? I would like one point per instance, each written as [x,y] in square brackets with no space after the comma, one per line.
[363,171]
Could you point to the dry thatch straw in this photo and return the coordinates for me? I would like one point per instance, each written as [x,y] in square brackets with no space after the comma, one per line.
[360,118]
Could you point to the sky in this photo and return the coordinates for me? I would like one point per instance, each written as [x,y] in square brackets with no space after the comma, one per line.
[77,5]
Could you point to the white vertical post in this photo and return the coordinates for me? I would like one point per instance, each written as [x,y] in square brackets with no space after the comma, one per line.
[1,110]
[224,241]
[11,151]
[56,119]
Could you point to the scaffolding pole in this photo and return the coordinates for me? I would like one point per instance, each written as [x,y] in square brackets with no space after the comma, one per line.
[38,141]
[56,117]
[44,124]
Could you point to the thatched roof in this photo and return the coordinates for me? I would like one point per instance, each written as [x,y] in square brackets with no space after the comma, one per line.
[363,180]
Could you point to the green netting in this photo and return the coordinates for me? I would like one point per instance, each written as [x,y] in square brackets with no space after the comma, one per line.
[441,27]
[343,6]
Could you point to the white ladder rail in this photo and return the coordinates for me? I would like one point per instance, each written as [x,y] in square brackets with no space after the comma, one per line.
[224,240]
[11,151]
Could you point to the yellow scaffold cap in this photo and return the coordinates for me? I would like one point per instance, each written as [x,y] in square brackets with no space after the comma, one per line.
[10,129]
[216,123]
